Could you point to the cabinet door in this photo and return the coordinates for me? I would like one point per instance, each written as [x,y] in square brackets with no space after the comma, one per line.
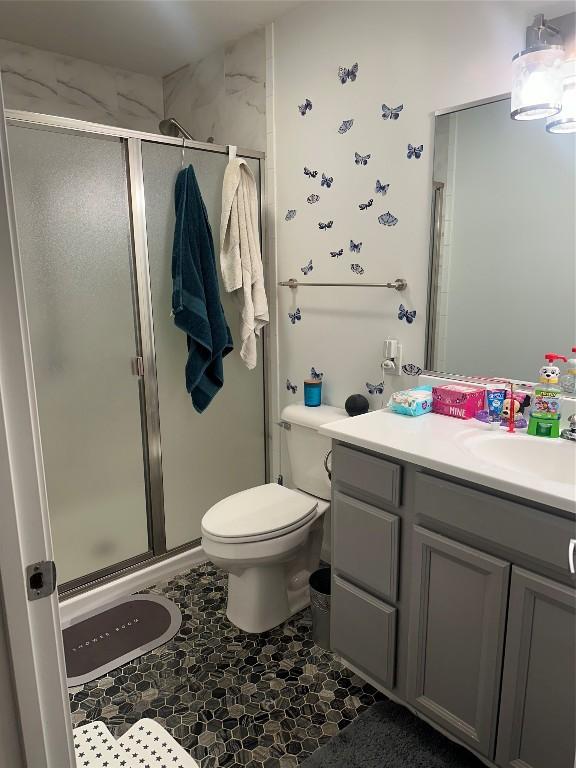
[538,711]
[362,528]
[457,623]
[363,631]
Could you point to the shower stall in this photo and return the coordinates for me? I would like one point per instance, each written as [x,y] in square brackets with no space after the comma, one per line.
[130,467]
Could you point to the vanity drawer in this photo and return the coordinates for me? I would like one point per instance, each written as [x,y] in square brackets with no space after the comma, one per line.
[369,474]
[517,528]
[365,545]
[363,631]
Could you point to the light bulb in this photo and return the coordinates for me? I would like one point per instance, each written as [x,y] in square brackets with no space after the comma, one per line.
[565,121]
[537,82]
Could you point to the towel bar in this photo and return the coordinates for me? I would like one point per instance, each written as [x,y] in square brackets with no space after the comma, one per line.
[399,284]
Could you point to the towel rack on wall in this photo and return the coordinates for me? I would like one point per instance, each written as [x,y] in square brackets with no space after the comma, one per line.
[399,284]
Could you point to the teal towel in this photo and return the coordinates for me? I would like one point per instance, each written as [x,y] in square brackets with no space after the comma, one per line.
[195,294]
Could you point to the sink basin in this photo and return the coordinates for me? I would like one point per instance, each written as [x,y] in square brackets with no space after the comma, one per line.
[553,460]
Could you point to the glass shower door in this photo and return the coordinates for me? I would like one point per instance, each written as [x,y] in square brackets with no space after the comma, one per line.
[74,230]
[208,456]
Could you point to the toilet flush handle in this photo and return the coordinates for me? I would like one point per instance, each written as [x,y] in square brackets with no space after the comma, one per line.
[326,467]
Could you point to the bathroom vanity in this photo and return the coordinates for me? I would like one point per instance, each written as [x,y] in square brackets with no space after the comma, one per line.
[452,590]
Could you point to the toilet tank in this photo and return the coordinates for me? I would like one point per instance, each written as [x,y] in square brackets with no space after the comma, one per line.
[307,448]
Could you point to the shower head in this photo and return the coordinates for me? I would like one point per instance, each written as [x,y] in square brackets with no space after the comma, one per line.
[171,127]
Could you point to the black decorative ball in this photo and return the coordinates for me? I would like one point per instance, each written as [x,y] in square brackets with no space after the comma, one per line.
[356,404]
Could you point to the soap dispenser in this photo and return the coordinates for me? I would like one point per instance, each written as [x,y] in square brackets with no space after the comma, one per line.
[568,378]
[545,413]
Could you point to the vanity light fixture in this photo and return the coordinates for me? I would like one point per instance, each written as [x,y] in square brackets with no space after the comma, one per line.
[565,122]
[537,75]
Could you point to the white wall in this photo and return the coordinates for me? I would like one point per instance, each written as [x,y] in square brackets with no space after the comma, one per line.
[512,274]
[425,55]
[50,83]
[223,95]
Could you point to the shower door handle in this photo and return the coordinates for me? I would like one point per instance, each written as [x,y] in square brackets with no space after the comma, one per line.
[138,366]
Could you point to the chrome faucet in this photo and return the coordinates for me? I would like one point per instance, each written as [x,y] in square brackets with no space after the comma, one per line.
[570,433]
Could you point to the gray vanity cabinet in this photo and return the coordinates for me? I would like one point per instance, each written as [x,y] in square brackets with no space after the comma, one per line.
[458,601]
[537,726]
[456,636]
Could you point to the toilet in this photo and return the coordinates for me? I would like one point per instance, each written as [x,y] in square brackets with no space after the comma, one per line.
[268,538]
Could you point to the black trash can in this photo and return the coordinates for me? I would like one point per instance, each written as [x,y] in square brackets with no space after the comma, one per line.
[320,586]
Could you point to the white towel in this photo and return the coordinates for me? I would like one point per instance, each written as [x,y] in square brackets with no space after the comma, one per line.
[240,257]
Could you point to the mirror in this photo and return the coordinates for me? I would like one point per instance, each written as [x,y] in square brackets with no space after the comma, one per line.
[503,253]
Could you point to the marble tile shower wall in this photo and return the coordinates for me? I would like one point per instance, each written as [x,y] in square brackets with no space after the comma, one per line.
[224,95]
[50,83]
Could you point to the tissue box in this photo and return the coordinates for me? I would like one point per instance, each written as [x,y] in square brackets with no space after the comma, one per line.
[412,402]
[462,401]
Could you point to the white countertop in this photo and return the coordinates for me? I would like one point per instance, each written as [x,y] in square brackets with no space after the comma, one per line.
[437,442]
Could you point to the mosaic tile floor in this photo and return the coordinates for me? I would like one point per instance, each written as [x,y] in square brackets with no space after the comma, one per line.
[230,699]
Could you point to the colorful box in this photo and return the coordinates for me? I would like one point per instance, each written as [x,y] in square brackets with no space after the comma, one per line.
[462,401]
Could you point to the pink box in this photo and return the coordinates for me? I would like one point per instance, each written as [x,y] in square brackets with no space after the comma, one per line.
[459,400]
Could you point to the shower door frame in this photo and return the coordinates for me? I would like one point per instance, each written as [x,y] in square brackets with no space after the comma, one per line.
[144,329]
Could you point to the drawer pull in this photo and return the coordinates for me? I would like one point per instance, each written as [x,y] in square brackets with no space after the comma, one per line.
[571,548]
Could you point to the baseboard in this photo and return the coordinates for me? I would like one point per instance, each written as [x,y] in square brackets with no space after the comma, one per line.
[75,607]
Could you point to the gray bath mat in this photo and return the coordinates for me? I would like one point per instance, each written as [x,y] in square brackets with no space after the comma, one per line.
[117,633]
[389,736]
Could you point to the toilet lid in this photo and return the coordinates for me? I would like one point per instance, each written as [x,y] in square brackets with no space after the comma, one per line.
[259,512]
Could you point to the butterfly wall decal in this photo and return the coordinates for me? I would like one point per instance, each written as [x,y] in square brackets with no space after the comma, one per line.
[387,219]
[325,225]
[345,74]
[414,151]
[312,199]
[357,269]
[345,126]
[316,375]
[337,254]
[375,389]
[306,107]
[291,387]
[290,214]
[326,181]
[361,159]
[391,113]
[380,188]
[364,206]
[307,268]
[309,173]
[406,314]
[294,316]
[355,247]
[411,369]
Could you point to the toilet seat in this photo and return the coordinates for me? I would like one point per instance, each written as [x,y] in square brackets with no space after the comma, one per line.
[260,513]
